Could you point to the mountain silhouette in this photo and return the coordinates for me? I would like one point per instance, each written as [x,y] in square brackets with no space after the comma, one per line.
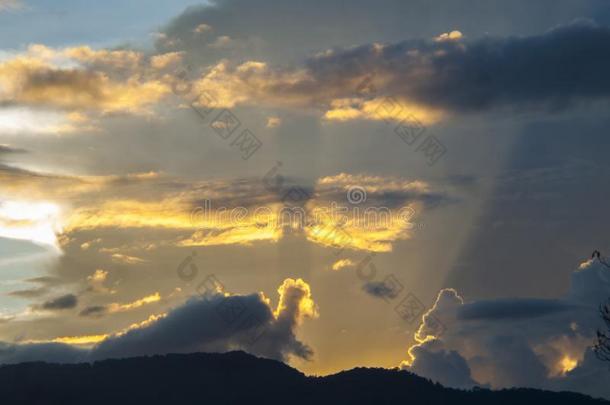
[239,378]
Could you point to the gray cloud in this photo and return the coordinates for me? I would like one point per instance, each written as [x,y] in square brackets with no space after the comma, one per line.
[517,342]
[511,309]
[67,301]
[456,75]
[93,311]
[29,293]
[50,352]
[378,289]
[212,323]
[473,75]
[446,367]
[253,26]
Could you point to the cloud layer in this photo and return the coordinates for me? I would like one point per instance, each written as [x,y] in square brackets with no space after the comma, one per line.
[426,78]
[214,322]
[517,342]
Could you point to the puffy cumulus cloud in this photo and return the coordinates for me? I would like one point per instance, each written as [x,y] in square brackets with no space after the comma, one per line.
[254,82]
[97,281]
[447,367]
[425,79]
[296,303]
[113,61]
[421,80]
[227,84]
[81,81]
[212,322]
[166,60]
[541,343]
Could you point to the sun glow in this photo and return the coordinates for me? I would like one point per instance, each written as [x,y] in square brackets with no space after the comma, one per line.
[38,222]
[567,364]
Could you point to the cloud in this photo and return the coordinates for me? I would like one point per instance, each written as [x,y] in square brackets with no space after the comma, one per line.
[449,36]
[257,24]
[540,343]
[121,258]
[447,367]
[96,282]
[273,122]
[165,60]
[419,80]
[249,210]
[29,293]
[201,28]
[370,212]
[342,264]
[96,311]
[36,221]
[378,289]
[67,301]
[82,82]
[426,79]
[212,322]
[10,5]
[512,309]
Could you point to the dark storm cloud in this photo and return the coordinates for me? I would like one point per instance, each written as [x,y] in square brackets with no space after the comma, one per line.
[67,301]
[304,26]
[511,309]
[212,323]
[441,365]
[563,65]
[518,341]
[549,71]
[50,352]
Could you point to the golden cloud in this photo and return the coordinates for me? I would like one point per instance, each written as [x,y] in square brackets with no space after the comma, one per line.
[81,80]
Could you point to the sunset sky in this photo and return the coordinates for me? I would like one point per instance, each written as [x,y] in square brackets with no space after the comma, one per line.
[169,171]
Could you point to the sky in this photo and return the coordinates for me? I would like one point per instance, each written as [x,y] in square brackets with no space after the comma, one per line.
[413,184]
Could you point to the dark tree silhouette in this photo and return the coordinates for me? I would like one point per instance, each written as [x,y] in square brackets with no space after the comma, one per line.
[239,378]
[602,347]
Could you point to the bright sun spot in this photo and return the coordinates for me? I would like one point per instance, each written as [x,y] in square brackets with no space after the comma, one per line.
[568,364]
[25,120]
[38,222]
